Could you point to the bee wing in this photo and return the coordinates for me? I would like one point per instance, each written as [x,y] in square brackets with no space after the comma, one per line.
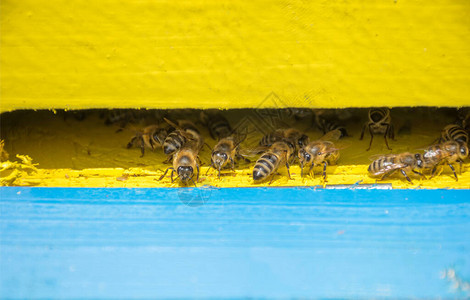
[436,152]
[172,124]
[342,145]
[252,152]
[332,135]
[432,151]
[180,130]
[389,167]
[379,156]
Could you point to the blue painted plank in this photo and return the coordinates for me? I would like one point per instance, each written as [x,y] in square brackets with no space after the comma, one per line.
[207,242]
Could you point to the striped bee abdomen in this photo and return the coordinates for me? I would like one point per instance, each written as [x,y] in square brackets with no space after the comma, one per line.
[378,114]
[326,125]
[381,165]
[265,166]
[220,128]
[454,133]
[271,138]
[173,142]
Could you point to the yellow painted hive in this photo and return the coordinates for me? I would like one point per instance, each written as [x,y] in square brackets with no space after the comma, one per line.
[68,67]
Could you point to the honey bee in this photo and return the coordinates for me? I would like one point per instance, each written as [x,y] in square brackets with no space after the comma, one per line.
[271,138]
[379,123]
[276,156]
[151,137]
[463,120]
[225,151]
[185,163]
[318,152]
[454,132]
[217,124]
[184,131]
[445,153]
[300,113]
[290,135]
[321,151]
[122,117]
[386,165]
[328,124]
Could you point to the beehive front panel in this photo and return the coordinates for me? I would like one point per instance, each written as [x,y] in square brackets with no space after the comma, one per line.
[226,54]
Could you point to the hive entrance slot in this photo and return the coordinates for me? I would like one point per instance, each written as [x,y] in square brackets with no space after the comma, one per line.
[89,147]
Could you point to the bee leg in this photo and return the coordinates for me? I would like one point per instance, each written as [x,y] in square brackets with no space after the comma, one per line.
[460,167]
[310,170]
[371,137]
[233,164]
[362,132]
[218,169]
[166,171]
[453,170]
[420,174]
[172,173]
[387,174]
[288,171]
[433,172]
[151,142]
[142,147]
[197,176]
[391,133]
[324,170]
[441,169]
[301,169]
[406,175]
[385,136]
[168,160]
[199,160]
[131,142]
[272,177]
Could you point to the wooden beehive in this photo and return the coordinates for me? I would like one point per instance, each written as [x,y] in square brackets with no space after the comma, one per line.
[304,241]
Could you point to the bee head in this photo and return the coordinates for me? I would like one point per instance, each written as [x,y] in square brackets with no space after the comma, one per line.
[185,173]
[376,116]
[463,151]
[219,159]
[304,156]
[419,160]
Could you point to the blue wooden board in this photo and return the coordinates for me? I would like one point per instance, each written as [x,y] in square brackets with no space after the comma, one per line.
[258,242]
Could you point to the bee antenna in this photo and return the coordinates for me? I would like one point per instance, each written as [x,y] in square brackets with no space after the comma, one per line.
[209,147]
[171,123]
[166,171]
[209,168]
[193,182]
